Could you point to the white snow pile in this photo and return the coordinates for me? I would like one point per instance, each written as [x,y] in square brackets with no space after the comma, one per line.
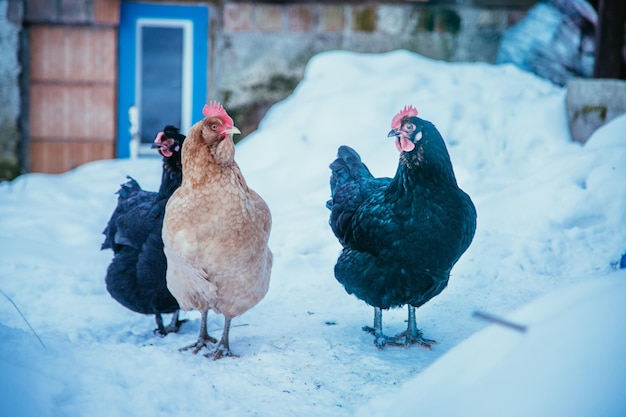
[551,228]
[567,363]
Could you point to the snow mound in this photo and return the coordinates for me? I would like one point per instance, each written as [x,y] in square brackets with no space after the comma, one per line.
[551,214]
[569,362]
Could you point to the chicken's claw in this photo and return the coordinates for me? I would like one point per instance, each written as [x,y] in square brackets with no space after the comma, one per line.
[380,340]
[412,338]
[201,343]
[223,347]
[173,327]
[221,352]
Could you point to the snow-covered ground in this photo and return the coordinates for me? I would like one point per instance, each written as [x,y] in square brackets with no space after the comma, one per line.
[551,226]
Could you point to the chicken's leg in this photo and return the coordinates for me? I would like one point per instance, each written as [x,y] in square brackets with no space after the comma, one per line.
[173,327]
[203,337]
[159,322]
[380,340]
[175,323]
[223,347]
[412,335]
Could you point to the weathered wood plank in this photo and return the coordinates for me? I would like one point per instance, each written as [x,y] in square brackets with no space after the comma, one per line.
[73,54]
[83,112]
[55,157]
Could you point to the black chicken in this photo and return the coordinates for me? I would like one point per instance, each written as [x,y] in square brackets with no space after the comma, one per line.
[401,236]
[136,275]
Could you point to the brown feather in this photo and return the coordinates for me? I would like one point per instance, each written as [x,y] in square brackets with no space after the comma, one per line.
[216,229]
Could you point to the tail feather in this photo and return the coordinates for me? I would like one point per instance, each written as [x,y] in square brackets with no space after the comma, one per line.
[128,187]
[349,178]
[122,228]
[346,168]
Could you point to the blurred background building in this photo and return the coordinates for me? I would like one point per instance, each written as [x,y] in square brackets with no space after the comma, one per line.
[84,80]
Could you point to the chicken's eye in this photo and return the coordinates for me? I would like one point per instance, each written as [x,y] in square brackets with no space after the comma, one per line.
[410,127]
[213,126]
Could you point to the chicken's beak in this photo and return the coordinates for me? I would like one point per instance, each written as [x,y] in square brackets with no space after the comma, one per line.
[232,131]
[157,141]
[393,132]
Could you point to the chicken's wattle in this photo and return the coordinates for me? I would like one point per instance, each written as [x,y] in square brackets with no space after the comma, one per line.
[165,151]
[403,144]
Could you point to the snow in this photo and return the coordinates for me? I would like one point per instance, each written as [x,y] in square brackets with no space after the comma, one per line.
[551,221]
[568,363]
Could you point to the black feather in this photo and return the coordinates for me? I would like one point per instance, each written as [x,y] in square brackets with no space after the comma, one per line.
[136,276]
[401,236]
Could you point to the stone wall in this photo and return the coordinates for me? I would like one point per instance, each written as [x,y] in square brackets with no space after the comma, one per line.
[260,50]
[258,53]
[10,26]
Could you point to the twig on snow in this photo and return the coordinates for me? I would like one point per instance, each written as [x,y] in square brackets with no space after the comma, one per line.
[502,322]
[24,318]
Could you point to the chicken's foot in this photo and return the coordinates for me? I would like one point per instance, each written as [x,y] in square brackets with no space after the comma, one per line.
[223,347]
[160,330]
[203,338]
[412,335]
[380,340]
[173,327]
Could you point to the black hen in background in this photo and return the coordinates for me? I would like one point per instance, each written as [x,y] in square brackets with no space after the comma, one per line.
[401,236]
[136,275]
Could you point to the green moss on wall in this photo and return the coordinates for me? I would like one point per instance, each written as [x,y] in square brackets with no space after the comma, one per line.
[437,20]
[364,19]
[9,164]
[9,168]
[600,110]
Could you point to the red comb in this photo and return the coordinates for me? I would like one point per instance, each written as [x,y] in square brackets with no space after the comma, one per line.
[158,137]
[407,111]
[215,109]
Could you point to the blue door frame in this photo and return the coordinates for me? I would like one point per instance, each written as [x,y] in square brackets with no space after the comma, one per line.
[195,19]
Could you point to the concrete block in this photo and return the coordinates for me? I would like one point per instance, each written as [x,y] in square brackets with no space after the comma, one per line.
[591,103]
[106,11]
[300,18]
[332,19]
[238,17]
[15,12]
[488,19]
[41,11]
[268,18]
[392,19]
[75,11]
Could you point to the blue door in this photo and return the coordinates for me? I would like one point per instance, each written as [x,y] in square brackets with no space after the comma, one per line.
[162,71]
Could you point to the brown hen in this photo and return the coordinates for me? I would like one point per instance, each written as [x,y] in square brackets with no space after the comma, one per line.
[216,230]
